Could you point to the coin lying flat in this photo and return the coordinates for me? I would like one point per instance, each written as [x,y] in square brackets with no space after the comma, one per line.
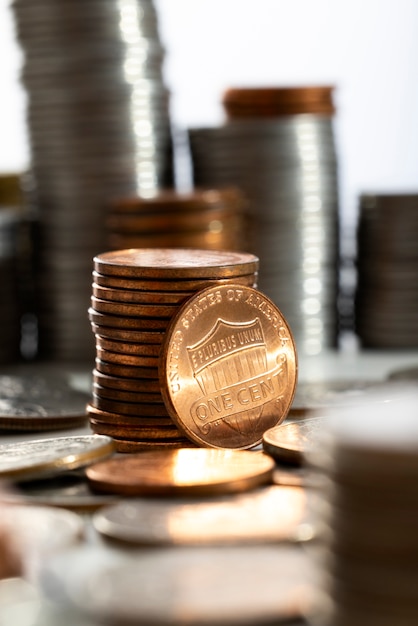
[168,285]
[40,402]
[226,519]
[188,471]
[228,367]
[227,585]
[45,457]
[289,442]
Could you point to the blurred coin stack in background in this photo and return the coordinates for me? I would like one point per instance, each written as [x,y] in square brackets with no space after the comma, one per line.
[367,508]
[202,218]
[386,298]
[278,146]
[136,293]
[98,123]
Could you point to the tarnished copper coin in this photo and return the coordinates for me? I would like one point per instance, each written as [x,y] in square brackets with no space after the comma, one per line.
[175,263]
[126,371]
[126,347]
[130,408]
[168,285]
[127,323]
[137,385]
[133,296]
[117,418]
[121,358]
[138,444]
[126,396]
[133,310]
[228,368]
[289,442]
[215,241]
[224,520]
[144,432]
[132,336]
[199,471]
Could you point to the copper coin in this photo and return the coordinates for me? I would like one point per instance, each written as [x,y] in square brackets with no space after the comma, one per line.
[136,385]
[169,285]
[139,296]
[126,371]
[289,442]
[236,519]
[130,408]
[127,323]
[165,201]
[126,420]
[126,359]
[133,310]
[197,472]
[125,347]
[126,396]
[205,239]
[133,445]
[131,336]
[229,367]
[275,95]
[125,432]
[175,263]
[171,222]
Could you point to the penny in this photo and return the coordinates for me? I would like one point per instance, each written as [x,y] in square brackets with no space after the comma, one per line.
[136,385]
[168,285]
[136,444]
[166,222]
[229,367]
[117,418]
[126,347]
[139,297]
[199,472]
[211,585]
[131,336]
[133,310]
[30,402]
[126,396]
[137,409]
[175,263]
[289,442]
[223,520]
[204,239]
[45,457]
[127,323]
[121,358]
[126,371]
[136,431]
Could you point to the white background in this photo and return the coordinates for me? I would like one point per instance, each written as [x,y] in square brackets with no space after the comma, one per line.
[368,49]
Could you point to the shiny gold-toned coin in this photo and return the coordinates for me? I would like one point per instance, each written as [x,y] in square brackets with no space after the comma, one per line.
[131,336]
[289,442]
[228,368]
[126,359]
[236,519]
[199,472]
[126,420]
[46,457]
[133,310]
[126,396]
[136,385]
[127,323]
[126,371]
[168,285]
[137,409]
[133,296]
[175,263]
[125,347]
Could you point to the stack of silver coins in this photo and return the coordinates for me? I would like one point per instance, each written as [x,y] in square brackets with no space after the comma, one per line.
[10,305]
[367,509]
[386,298]
[285,161]
[98,123]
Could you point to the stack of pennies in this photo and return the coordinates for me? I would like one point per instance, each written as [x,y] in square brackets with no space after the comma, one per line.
[202,218]
[283,156]
[136,294]
[366,513]
[99,126]
[386,295]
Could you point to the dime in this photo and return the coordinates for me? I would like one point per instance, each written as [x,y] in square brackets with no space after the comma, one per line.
[168,285]
[236,519]
[289,442]
[45,457]
[40,402]
[175,263]
[196,472]
[228,368]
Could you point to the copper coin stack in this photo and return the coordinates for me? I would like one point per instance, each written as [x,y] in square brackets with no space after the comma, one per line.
[203,218]
[136,293]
